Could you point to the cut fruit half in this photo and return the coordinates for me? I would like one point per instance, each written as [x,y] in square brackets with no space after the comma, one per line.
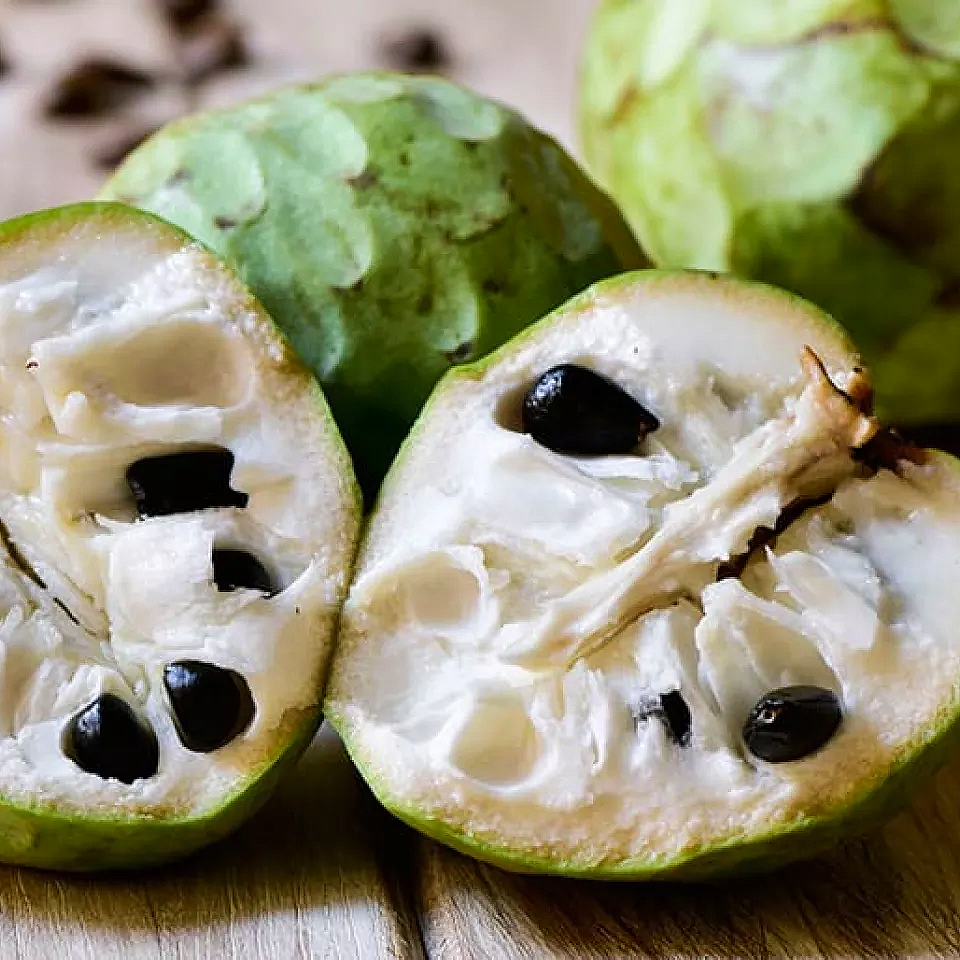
[718,646]
[178,518]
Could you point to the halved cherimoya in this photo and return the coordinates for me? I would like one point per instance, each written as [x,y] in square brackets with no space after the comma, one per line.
[178,518]
[649,592]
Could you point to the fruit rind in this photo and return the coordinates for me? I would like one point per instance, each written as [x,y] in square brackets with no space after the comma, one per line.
[799,838]
[41,835]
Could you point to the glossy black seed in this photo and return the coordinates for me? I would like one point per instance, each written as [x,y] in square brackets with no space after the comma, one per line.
[233,569]
[183,482]
[672,711]
[109,740]
[791,723]
[676,716]
[211,705]
[571,409]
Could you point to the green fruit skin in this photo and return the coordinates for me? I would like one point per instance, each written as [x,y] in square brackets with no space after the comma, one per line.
[812,144]
[42,836]
[806,837]
[393,226]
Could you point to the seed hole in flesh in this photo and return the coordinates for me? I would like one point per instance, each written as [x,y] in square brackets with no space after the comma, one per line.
[211,705]
[791,723]
[237,569]
[672,711]
[108,740]
[183,482]
[573,410]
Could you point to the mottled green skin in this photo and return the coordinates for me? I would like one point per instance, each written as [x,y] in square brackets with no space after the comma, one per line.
[42,835]
[813,144]
[393,226]
[805,837]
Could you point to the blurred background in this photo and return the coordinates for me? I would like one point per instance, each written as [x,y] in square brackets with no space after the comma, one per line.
[83,81]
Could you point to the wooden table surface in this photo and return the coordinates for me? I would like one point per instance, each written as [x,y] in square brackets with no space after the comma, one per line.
[323,871]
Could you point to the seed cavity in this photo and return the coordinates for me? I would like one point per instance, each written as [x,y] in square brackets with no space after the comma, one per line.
[110,741]
[577,411]
[183,482]
[791,723]
[211,705]
[237,569]
[672,711]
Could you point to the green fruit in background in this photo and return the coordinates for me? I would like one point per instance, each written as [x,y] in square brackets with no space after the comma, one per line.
[393,226]
[814,144]
[747,651]
[178,518]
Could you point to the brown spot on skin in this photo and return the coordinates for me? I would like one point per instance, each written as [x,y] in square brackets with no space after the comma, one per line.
[224,223]
[94,87]
[179,176]
[404,159]
[425,304]
[419,50]
[365,180]
[843,28]
[460,354]
[492,286]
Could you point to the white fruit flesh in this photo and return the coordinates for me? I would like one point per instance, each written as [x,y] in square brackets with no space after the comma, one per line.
[119,342]
[515,609]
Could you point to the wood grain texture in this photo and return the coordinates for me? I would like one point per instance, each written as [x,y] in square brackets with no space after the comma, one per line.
[894,893]
[310,876]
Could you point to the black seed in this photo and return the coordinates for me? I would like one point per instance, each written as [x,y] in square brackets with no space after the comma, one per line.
[676,715]
[183,14]
[94,87]
[233,569]
[672,711]
[571,409]
[791,723]
[109,740]
[211,705]
[210,45]
[417,50]
[183,482]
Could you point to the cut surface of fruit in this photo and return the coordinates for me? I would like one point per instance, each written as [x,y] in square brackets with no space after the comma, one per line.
[720,650]
[178,519]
